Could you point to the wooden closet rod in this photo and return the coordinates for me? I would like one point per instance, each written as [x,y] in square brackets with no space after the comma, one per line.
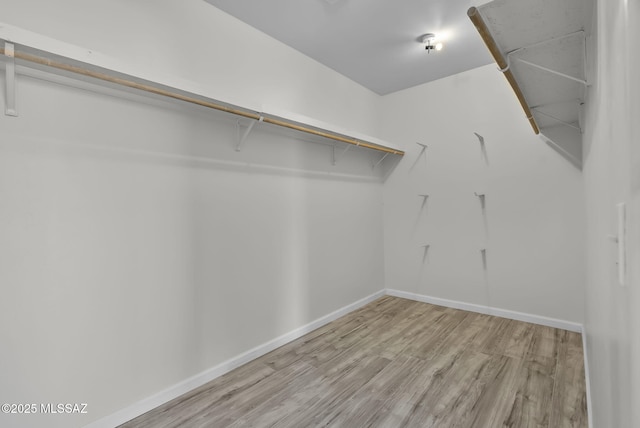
[481,26]
[210,104]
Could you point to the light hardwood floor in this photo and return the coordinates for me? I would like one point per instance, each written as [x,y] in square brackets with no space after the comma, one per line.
[398,363]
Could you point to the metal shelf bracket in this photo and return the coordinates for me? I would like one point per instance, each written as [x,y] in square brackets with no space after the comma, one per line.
[380,161]
[483,148]
[555,72]
[562,122]
[10,75]
[425,254]
[482,198]
[242,136]
[425,198]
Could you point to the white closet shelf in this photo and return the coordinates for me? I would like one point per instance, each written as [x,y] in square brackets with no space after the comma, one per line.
[30,56]
[541,48]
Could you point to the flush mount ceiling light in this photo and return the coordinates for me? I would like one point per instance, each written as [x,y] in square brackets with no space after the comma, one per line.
[429,40]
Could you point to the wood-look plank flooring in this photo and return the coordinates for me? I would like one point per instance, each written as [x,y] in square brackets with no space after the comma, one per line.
[398,363]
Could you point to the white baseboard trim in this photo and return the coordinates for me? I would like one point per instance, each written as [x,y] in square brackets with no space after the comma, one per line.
[587,377]
[503,313]
[200,379]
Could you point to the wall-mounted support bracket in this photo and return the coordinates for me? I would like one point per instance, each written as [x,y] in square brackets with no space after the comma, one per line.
[482,198]
[336,157]
[483,148]
[425,254]
[380,161]
[549,70]
[535,110]
[242,136]
[423,151]
[425,198]
[10,76]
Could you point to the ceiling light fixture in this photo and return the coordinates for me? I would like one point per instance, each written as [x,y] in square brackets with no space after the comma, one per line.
[429,40]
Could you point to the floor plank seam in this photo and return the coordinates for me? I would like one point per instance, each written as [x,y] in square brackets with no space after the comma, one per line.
[397,362]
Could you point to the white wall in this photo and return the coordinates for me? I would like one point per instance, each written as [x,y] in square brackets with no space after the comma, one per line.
[534,224]
[612,175]
[126,265]
[137,247]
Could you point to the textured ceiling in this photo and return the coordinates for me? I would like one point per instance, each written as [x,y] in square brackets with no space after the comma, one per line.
[373,42]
